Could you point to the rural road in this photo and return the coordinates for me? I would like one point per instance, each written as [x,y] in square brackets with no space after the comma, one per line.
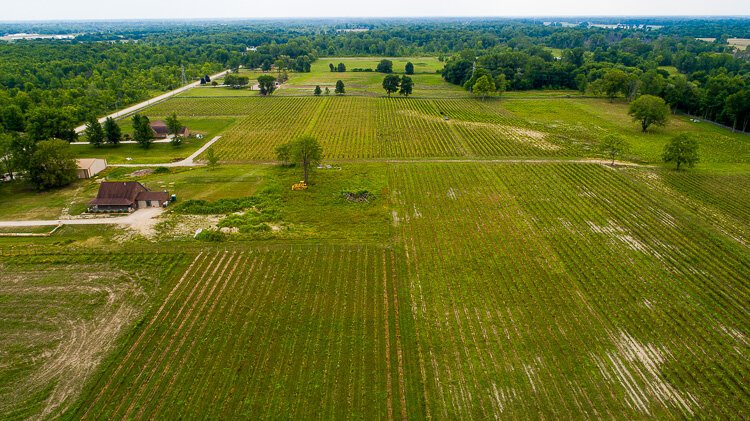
[139,217]
[187,162]
[151,101]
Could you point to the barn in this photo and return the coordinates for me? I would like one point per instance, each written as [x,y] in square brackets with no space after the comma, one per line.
[126,196]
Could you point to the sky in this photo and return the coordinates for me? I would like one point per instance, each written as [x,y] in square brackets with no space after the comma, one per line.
[204,9]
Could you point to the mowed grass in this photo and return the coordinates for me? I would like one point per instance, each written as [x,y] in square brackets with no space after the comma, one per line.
[296,330]
[567,290]
[62,314]
[157,152]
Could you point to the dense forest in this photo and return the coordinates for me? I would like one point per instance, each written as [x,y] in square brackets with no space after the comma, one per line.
[49,86]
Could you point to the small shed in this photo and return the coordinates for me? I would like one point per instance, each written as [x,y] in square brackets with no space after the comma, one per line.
[89,167]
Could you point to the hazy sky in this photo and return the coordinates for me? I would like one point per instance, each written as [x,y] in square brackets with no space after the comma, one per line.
[163,9]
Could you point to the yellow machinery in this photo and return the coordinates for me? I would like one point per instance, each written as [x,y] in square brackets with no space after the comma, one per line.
[299,186]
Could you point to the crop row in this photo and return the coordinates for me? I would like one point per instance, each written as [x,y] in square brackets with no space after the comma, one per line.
[299,331]
[520,308]
[361,127]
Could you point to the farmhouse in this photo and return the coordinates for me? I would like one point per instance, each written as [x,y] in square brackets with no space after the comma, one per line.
[126,196]
[89,167]
[161,131]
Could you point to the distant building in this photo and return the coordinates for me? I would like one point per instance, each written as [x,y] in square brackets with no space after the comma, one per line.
[126,196]
[89,167]
[161,131]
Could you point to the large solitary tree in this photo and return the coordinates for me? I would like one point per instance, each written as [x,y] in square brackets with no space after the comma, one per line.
[409,69]
[681,149]
[306,151]
[391,83]
[613,146]
[266,84]
[649,110]
[52,165]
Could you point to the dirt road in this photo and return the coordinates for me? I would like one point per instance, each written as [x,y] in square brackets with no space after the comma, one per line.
[137,219]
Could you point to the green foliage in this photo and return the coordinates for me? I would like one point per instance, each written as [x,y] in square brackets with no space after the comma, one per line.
[340,89]
[317,91]
[303,150]
[211,159]
[649,110]
[341,67]
[284,153]
[681,149]
[484,87]
[94,132]
[391,83]
[50,123]
[385,66]
[161,170]
[52,165]
[266,84]
[212,236]
[407,85]
[409,68]
[236,81]
[613,146]
[615,83]
[221,206]
[174,126]
[112,132]
[142,132]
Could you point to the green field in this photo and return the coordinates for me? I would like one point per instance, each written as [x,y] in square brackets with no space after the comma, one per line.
[496,269]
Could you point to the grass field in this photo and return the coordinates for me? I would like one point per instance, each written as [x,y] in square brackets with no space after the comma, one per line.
[492,272]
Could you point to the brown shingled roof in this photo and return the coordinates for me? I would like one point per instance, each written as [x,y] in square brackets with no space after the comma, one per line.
[118,193]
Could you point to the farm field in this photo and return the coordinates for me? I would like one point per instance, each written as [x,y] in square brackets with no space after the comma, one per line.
[519,307]
[495,268]
[498,280]
[297,329]
[520,126]
[62,314]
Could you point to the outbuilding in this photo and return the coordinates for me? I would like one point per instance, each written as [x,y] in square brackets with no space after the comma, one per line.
[126,196]
[162,132]
[89,167]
